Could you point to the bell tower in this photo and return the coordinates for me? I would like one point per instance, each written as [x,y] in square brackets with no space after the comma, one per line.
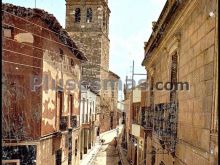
[87,22]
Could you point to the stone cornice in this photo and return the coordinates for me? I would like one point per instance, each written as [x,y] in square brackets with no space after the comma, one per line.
[171,8]
[179,20]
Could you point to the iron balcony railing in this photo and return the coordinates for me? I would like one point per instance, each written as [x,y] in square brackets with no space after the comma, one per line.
[147,117]
[165,124]
[73,121]
[165,120]
[63,123]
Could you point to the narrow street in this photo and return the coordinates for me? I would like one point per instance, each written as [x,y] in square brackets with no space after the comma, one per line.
[107,82]
[107,153]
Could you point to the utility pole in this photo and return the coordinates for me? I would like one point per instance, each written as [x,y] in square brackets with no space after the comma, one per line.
[35,3]
[132,88]
[133,74]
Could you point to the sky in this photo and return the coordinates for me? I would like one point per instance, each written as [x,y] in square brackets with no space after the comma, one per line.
[130,26]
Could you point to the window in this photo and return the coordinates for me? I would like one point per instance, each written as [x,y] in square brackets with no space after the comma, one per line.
[76,146]
[83,113]
[162,163]
[61,53]
[89,15]
[173,77]
[8,31]
[60,102]
[87,110]
[104,19]
[69,148]
[71,104]
[19,155]
[71,62]
[152,90]
[59,157]
[153,156]
[77,15]
[93,107]
[90,110]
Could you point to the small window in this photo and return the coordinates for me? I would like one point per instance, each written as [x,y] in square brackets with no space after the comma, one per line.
[71,104]
[83,114]
[71,62]
[113,94]
[70,148]
[61,53]
[173,77]
[87,118]
[76,146]
[60,102]
[104,19]
[8,32]
[162,163]
[77,15]
[59,157]
[89,15]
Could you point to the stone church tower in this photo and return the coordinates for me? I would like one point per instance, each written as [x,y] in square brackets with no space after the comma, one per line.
[87,22]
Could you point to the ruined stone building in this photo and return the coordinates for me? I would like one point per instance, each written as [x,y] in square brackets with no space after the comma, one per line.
[183,48]
[87,22]
[40,111]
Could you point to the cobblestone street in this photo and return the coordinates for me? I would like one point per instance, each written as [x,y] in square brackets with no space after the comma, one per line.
[108,154]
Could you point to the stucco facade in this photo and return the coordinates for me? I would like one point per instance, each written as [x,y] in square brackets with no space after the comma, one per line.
[88,120]
[39,63]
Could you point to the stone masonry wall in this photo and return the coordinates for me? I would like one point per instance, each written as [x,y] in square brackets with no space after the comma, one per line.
[195,46]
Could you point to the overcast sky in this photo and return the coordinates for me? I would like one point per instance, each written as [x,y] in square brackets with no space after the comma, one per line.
[130,27]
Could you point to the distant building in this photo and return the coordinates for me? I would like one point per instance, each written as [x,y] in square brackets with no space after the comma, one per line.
[40,108]
[120,113]
[87,22]
[108,103]
[88,120]
[136,132]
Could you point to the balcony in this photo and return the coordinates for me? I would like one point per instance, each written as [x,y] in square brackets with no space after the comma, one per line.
[63,123]
[94,117]
[86,125]
[123,121]
[147,118]
[165,123]
[73,121]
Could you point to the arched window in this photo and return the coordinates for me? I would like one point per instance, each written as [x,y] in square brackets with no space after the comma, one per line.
[77,15]
[89,15]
